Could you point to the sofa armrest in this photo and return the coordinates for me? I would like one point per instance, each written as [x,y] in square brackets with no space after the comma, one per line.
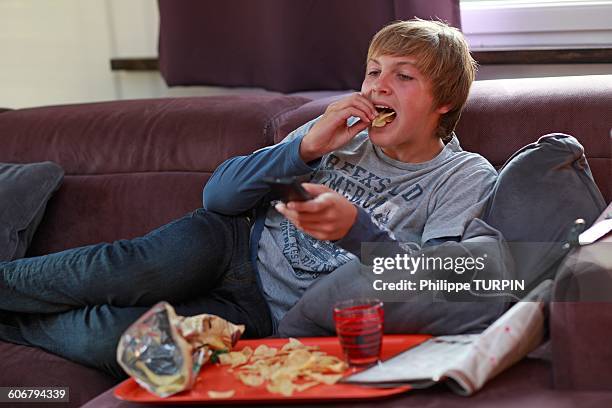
[579,318]
[165,134]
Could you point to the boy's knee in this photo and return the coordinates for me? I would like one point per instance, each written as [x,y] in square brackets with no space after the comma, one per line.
[96,344]
[101,355]
[98,350]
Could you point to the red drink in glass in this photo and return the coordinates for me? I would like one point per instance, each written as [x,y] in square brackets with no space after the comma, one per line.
[359,324]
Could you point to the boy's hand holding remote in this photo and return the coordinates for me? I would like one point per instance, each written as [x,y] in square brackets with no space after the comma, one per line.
[328,216]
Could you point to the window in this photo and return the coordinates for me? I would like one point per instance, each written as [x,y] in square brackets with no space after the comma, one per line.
[542,24]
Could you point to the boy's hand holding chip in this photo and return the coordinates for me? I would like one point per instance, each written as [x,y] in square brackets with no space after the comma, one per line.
[328,216]
[332,132]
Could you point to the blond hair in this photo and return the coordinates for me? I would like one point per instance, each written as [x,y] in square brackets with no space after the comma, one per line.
[441,54]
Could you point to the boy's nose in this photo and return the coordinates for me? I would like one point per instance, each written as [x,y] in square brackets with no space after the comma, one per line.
[380,85]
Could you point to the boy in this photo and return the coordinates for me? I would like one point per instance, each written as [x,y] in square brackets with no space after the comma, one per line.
[395,182]
[399,181]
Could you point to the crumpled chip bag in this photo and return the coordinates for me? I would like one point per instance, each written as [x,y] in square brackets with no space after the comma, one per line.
[164,352]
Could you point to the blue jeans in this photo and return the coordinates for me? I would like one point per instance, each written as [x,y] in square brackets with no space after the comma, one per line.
[78,302]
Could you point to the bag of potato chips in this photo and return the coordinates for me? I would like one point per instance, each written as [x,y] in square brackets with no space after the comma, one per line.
[164,352]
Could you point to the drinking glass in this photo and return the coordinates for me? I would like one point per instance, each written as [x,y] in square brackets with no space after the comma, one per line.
[359,325]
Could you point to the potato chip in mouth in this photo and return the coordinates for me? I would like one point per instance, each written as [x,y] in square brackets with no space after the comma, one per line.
[385,115]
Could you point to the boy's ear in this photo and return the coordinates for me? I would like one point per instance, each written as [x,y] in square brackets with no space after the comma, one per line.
[443,109]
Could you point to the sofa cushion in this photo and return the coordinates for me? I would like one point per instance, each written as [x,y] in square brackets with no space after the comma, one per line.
[503,115]
[586,273]
[582,302]
[23,366]
[90,209]
[25,190]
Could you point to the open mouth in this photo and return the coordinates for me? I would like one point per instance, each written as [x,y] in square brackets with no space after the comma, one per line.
[385,115]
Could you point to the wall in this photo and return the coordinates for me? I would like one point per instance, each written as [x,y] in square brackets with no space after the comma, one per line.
[53,52]
[58,51]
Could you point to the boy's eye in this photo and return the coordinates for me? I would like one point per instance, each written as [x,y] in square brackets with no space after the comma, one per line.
[404,77]
[373,72]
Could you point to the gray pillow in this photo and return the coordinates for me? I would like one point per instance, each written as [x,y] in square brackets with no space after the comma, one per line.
[25,190]
[540,191]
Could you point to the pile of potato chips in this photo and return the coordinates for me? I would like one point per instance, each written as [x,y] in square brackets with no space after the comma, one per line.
[295,367]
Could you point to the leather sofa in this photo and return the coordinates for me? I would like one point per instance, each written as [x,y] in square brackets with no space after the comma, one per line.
[132,166]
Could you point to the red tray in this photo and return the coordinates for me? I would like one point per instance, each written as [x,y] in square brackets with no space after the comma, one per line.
[217,378]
